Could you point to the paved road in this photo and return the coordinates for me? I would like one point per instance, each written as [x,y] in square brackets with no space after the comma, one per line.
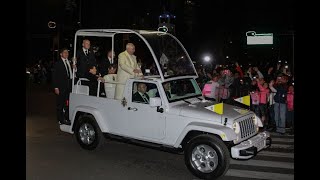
[52,154]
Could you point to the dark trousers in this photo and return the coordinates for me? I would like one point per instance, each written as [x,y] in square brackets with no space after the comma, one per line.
[280,110]
[61,106]
[255,109]
[271,122]
[290,119]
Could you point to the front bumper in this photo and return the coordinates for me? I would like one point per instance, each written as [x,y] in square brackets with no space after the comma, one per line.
[252,146]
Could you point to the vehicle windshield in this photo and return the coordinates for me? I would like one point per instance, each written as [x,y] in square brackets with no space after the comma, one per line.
[181,89]
[172,57]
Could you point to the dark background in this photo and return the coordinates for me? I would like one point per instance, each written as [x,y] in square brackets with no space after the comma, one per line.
[215,27]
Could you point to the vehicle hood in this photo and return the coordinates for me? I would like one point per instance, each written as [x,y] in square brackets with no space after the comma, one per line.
[199,111]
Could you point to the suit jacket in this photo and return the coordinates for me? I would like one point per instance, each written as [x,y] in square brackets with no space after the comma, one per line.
[104,65]
[60,77]
[138,98]
[83,62]
[126,65]
[93,85]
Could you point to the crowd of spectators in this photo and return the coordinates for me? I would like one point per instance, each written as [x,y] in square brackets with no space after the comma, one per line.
[270,87]
[39,72]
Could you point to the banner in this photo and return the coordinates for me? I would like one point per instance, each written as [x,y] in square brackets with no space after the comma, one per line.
[244,100]
[217,108]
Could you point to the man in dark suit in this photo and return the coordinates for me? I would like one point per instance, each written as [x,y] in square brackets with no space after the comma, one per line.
[62,81]
[107,62]
[84,57]
[91,75]
[141,95]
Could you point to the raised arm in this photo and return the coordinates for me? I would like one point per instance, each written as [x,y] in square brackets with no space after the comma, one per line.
[258,72]
[249,73]
[238,68]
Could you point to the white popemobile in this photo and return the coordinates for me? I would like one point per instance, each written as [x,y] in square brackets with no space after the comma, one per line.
[181,122]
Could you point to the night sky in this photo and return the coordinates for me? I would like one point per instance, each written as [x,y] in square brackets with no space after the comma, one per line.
[201,26]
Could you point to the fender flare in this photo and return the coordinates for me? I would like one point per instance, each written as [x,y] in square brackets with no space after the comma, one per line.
[225,133]
[94,112]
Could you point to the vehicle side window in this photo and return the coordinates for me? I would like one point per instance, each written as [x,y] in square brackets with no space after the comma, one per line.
[142,92]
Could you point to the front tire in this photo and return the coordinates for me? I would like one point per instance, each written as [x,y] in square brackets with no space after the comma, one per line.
[88,133]
[207,157]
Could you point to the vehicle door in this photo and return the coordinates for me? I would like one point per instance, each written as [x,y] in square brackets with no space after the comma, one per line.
[144,121]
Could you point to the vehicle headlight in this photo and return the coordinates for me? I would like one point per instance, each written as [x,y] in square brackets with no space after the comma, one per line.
[255,120]
[236,127]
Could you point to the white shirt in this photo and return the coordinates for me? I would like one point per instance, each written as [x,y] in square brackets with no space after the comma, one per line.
[109,78]
[86,51]
[110,60]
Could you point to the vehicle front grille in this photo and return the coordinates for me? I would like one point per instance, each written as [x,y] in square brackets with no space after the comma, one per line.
[247,127]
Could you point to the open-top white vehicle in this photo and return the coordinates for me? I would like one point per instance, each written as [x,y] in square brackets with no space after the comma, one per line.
[181,122]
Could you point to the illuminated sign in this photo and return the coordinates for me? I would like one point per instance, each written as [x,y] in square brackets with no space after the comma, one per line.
[52,24]
[163,29]
[254,39]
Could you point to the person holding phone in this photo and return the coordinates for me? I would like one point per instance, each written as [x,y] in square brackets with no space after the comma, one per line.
[263,99]
[280,106]
[210,89]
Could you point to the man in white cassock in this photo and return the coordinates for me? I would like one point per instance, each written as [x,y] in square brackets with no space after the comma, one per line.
[127,68]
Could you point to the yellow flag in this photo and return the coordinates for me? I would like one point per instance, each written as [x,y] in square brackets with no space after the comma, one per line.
[244,100]
[218,108]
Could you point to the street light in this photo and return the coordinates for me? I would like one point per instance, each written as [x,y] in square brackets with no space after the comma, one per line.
[207,58]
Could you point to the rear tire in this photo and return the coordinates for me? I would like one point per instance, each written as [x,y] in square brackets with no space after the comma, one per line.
[88,133]
[207,157]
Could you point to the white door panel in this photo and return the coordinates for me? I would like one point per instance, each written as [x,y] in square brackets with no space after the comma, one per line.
[145,122]
[116,117]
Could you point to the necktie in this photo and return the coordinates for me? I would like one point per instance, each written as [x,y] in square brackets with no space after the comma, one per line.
[86,52]
[145,98]
[67,67]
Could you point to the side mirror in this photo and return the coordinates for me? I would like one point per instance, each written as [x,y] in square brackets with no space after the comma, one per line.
[155,102]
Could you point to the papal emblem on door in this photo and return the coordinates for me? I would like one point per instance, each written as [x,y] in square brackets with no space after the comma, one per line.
[124,102]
